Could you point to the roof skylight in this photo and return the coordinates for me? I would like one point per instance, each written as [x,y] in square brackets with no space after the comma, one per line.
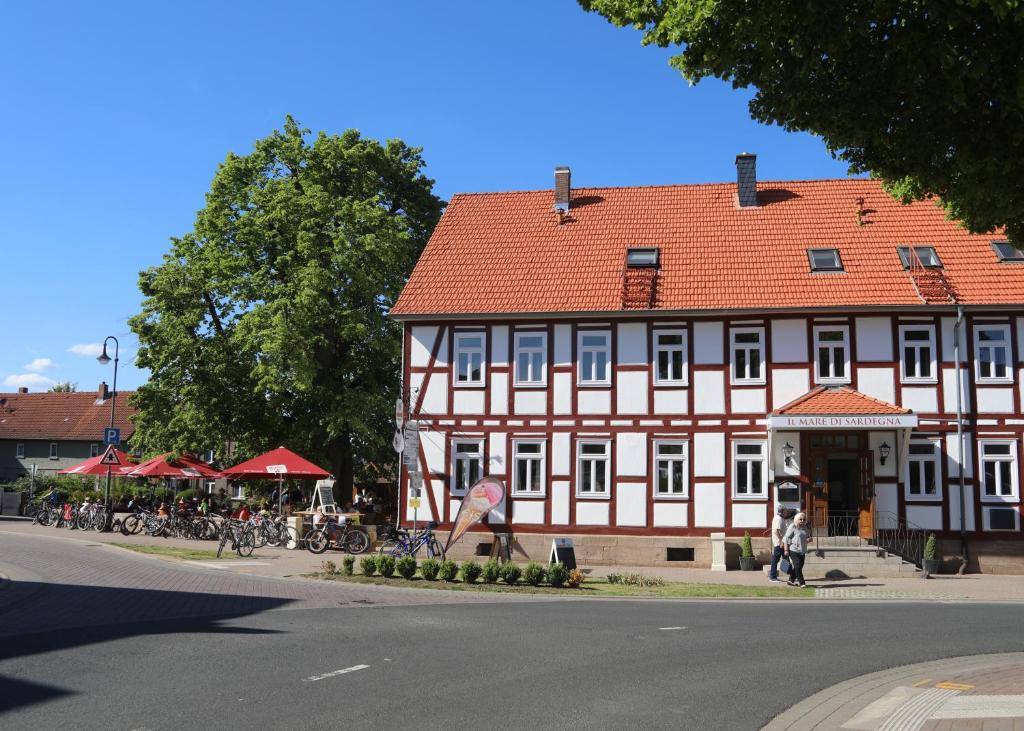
[825,260]
[926,254]
[642,257]
[1007,251]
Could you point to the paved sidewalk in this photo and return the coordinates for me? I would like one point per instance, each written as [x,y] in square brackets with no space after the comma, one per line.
[974,693]
[282,563]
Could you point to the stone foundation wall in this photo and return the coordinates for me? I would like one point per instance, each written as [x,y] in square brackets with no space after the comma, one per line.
[985,557]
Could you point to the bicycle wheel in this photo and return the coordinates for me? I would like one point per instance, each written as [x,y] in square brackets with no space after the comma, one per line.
[434,549]
[129,525]
[99,522]
[223,541]
[391,547]
[82,523]
[287,537]
[356,541]
[273,535]
[259,536]
[317,541]
[246,543]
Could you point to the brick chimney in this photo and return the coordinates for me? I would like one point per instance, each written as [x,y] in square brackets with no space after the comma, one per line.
[563,188]
[102,393]
[22,389]
[746,180]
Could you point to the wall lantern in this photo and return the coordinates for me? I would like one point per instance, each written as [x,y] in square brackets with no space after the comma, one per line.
[883,452]
[787,452]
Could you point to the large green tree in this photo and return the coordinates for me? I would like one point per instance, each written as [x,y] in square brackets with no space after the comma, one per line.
[927,95]
[267,325]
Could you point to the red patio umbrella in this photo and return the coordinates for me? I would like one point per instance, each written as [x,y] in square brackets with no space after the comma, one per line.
[276,464]
[184,468]
[92,466]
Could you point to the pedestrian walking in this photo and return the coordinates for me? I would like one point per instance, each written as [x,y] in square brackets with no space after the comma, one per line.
[780,523]
[794,547]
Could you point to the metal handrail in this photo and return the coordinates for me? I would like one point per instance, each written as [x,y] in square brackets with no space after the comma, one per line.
[842,529]
[900,537]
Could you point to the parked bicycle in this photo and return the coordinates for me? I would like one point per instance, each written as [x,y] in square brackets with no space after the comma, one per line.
[339,536]
[404,544]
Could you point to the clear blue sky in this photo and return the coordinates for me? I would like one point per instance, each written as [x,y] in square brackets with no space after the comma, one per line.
[115,116]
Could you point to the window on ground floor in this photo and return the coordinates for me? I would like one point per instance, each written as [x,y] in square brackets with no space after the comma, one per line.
[528,468]
[670,470]
[467,464]
[749,471]
[998,469]
[923,476]
[592,468]
[53,450]
[19,451]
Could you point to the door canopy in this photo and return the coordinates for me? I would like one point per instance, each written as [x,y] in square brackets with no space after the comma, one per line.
[840,407]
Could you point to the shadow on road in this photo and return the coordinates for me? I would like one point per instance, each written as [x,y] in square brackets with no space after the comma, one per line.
[15,693]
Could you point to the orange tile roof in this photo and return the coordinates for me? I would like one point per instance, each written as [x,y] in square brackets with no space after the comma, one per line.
[60,416]
[838,400]
[507,252]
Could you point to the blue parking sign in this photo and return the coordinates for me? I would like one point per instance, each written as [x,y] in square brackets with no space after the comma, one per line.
[112,435]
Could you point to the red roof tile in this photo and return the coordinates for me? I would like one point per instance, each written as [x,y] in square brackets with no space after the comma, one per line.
[508,253]
[838,400]
[62,416]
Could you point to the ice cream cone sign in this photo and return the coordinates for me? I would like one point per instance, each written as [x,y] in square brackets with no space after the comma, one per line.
[486,494]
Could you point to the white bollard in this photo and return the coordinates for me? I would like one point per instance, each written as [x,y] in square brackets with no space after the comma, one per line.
[295,522]
[718,552]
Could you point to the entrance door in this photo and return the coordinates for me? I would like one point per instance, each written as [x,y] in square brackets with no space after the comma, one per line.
[867,495]
[817,495]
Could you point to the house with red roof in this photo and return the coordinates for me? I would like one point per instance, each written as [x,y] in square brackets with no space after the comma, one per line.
[647,367]
[54,431]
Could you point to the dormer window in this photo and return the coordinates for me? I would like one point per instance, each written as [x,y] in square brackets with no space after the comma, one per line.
[825,260]
[1007,251]
[926,254]
[642,257]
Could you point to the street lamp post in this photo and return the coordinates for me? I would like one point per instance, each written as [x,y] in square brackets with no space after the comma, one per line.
[103,358]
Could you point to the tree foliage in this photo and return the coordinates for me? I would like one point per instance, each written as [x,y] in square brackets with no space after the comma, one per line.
[64,387]
[266,325]
[926,95]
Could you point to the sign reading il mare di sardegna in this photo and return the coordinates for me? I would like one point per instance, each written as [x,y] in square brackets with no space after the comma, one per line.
[863,421]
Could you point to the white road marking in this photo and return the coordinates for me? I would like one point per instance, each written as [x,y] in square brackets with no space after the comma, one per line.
[664,628]
[352,669]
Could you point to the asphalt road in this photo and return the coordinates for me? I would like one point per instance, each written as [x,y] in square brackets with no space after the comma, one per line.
[257,657]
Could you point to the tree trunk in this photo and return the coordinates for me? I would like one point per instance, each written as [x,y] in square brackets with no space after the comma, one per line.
[340,451]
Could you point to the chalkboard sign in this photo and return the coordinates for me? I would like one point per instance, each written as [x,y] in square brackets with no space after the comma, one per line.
[563,552]
[323,496]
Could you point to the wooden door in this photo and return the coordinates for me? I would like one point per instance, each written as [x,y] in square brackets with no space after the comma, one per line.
[817,495]
[867,495]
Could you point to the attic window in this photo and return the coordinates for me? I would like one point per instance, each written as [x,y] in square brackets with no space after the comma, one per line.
[1007,251]
[646,257]
[926,254]
[825,260]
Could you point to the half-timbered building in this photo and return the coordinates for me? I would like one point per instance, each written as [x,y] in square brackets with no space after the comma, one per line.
[646,366]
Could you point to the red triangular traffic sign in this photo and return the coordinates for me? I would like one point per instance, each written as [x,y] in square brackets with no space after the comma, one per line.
[110,457]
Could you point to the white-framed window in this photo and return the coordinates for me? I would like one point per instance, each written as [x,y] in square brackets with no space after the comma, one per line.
[595,358]
[531,358]
[210,486]
[592,468]
[670,360]
[825,260]
[528,467]
[94,450]
[749,470]
[19,451]
[925,254]
[237,491]
[917,354]
[467,464]
[998,470]
[923,479]
[468,358]
[992,353]
[208,456]
[747,348]
[671,475]
[832,351]
[53,450]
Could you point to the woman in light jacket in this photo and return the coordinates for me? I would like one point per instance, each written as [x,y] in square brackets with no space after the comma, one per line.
[794,547]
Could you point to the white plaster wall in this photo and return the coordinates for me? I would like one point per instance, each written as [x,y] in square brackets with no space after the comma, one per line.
[466,402]
[631,392]
[496,448]
[953,456]
[499,345]
[499,393]
[708,392]
[708,454]
[947,340]
[532,401]
[632,345]
[707,343]
[954,506]
[1020,338]
[453,508]
[709,505]
[779,441]
[563,345]
[424,513]
[949,390]
[788,384]
[670,515]
[887,501]
[561,453]
[631,454]
[432,443]
[928,517]
[630,504]
[591,512]
[878,383]
[922,399]
[560,502]
[670,401]
[874,338]
[435,399]
[994,400]
[563,393]
[875,440]
[421,344]
[747,401]
[789,341]
[528,511]
[594,401]
[752,515]
[440,490]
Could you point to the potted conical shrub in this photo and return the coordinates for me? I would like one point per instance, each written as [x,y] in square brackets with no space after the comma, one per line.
[747,560]
[932,556]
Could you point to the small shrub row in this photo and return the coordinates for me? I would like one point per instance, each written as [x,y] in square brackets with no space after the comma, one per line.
[491,572]
[635,580]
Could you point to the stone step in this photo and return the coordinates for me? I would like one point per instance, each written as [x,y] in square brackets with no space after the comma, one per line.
[854,561]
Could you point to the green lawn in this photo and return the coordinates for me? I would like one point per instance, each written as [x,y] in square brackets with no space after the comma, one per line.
[193,554]
[592,588]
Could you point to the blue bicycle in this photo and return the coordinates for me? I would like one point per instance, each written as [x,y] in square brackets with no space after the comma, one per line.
[406,544]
